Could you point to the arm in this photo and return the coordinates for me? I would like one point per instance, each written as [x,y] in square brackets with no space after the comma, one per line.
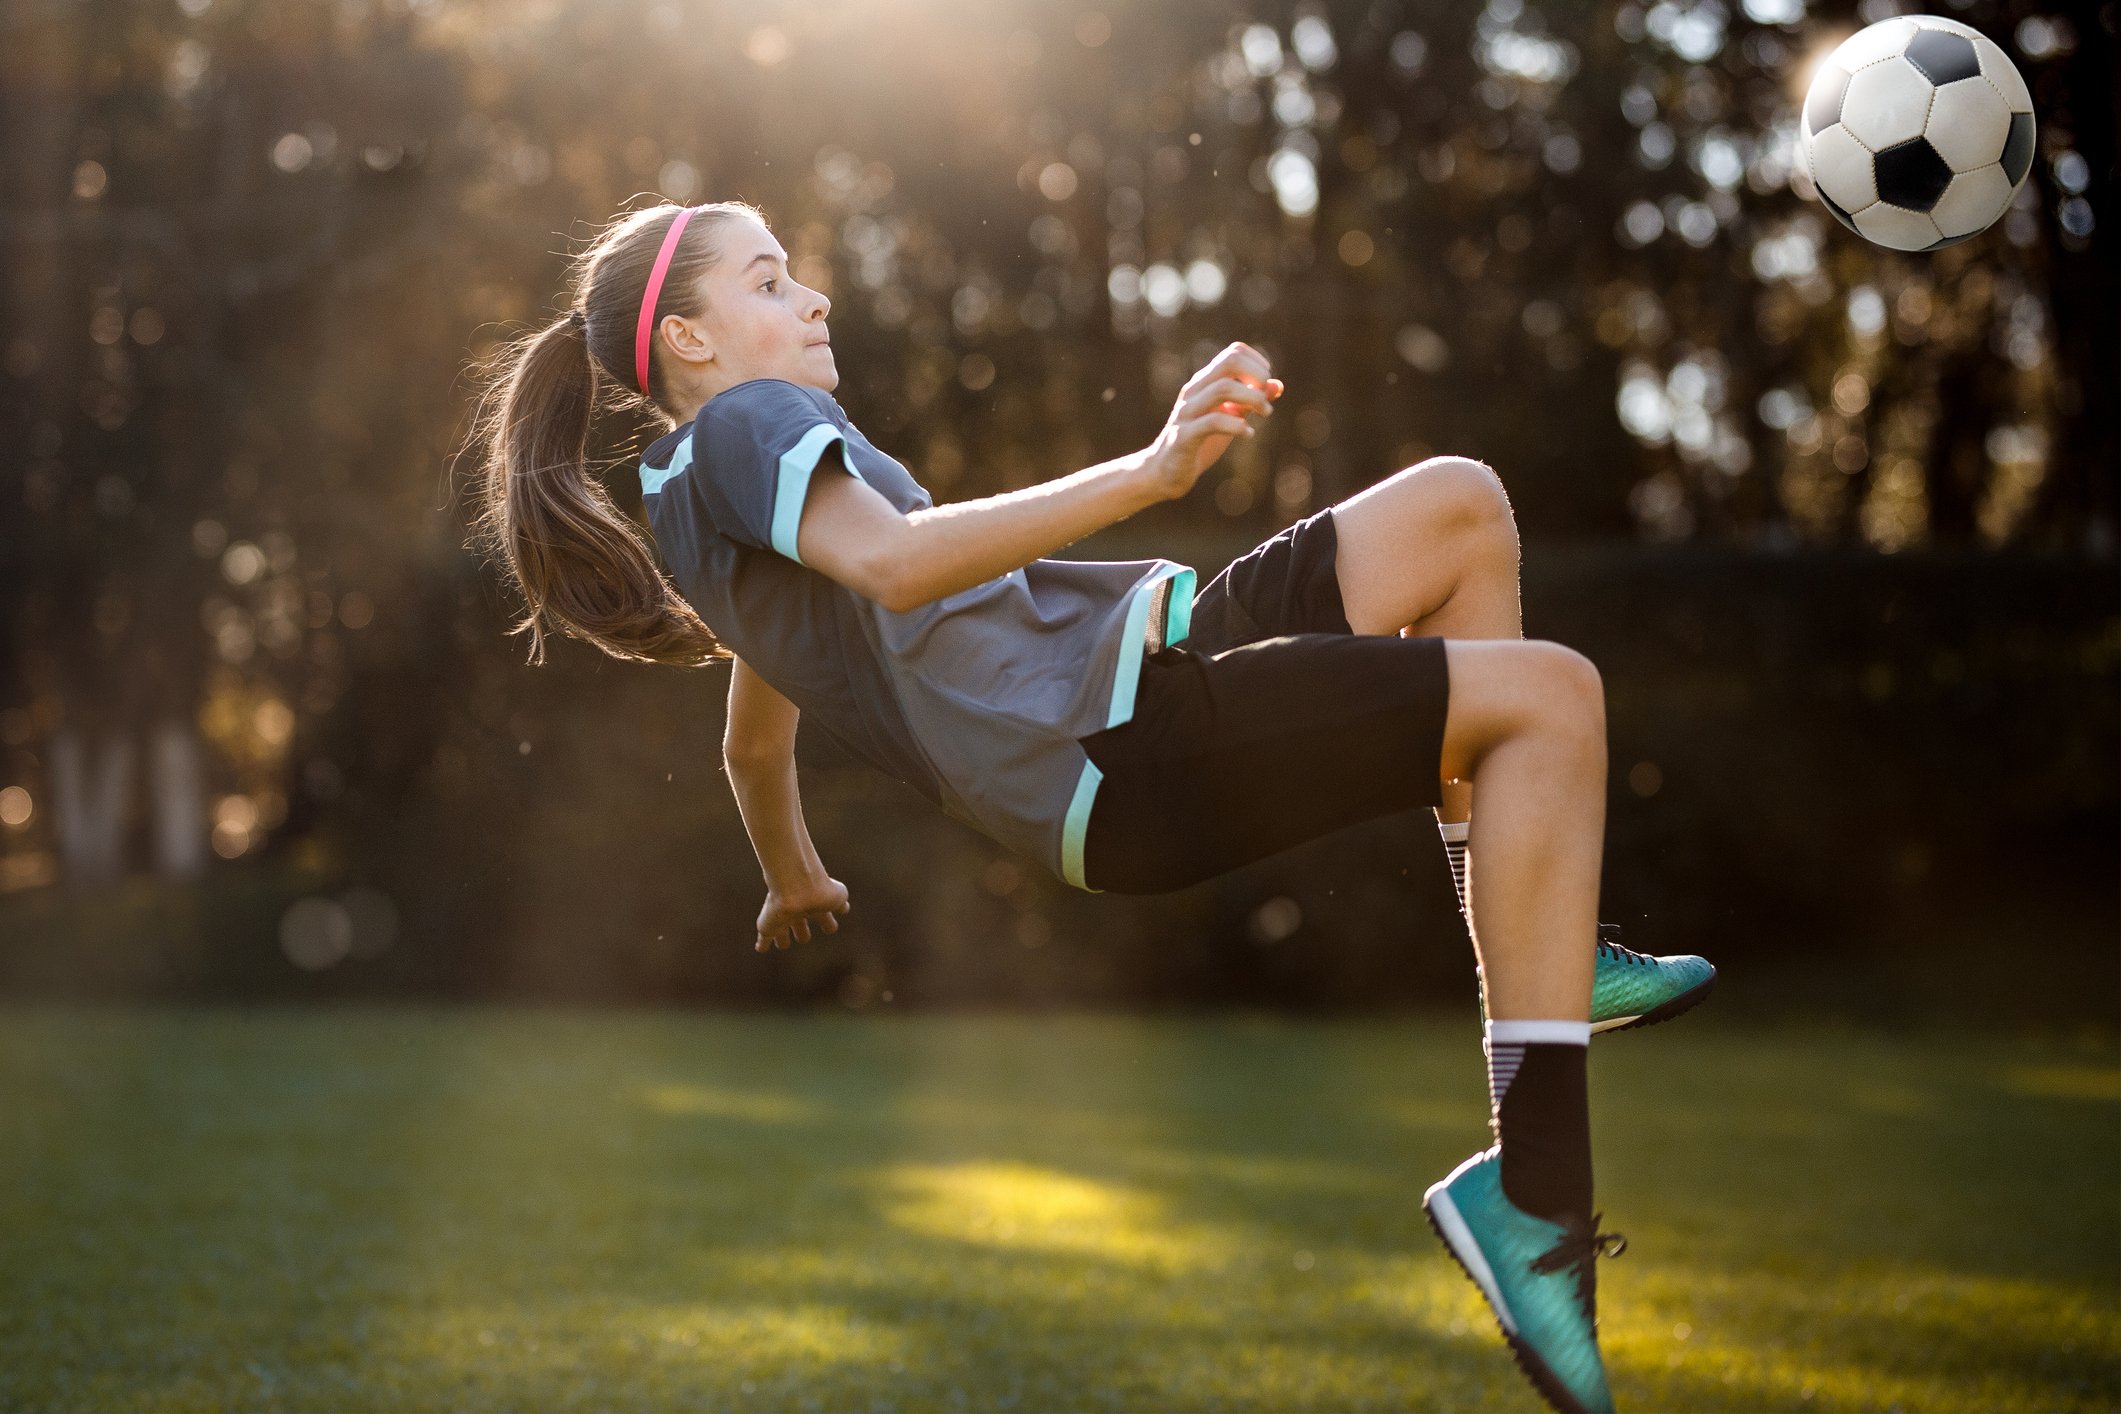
[773,816]
[851,533]
[758,751]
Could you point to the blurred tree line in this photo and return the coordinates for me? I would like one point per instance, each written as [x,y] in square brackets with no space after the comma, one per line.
[243,655]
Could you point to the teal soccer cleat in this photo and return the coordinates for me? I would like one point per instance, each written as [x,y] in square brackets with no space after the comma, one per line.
[1537,1275]
[1632,989]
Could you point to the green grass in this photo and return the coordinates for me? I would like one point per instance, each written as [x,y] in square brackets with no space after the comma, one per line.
[395,1209]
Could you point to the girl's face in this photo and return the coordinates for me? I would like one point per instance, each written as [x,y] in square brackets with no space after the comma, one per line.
[760,323]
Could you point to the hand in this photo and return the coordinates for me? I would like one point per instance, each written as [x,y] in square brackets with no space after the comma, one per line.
[788,912]
[1208,416]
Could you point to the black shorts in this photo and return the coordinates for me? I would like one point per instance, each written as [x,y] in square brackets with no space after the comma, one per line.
[1271,723]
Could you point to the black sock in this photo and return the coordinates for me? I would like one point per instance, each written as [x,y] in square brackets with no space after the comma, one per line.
[1542,1116]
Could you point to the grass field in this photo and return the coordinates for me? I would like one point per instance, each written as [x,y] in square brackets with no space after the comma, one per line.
[431,1209]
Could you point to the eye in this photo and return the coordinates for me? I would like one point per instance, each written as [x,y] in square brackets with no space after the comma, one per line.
[770,281]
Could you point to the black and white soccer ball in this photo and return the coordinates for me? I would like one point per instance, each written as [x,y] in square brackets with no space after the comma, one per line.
[1917,131]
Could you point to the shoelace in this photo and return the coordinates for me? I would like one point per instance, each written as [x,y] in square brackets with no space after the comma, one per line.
[1609,945]
[1579,1246]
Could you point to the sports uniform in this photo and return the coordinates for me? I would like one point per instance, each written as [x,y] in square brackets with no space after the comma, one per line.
[978,699]
[1271,724]
[1092,715]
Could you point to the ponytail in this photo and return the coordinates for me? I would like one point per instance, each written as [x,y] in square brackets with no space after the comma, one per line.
[582,564]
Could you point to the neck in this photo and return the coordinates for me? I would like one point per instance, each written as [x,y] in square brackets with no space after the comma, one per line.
[688,404]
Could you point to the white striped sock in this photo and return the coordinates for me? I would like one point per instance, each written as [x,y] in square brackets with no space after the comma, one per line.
[1455,845]
[1503,1059]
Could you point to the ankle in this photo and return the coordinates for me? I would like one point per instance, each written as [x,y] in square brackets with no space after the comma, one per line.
[1540,1109]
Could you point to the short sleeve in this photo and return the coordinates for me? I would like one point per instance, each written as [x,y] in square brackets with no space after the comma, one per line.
[759,443]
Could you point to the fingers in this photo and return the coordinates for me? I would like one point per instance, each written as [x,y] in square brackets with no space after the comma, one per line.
[1239,359]
[1224,417]
[799,930]
[1235,384]
[1249,395]
[1264,405]
[1215,424]
[1229,395]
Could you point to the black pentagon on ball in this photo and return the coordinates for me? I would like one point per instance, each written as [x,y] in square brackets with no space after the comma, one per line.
[1839,215]
[1823,108]
[1943,57]
[1911,174]
[2018,148]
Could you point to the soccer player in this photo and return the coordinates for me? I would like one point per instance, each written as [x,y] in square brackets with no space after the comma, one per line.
[1100,718]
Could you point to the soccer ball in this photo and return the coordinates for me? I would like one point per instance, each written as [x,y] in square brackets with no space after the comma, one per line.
[1916,131]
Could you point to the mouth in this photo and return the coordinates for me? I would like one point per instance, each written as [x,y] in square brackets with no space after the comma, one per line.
[820,343]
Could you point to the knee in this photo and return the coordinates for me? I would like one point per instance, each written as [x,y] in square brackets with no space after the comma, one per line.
[1471,499]
[1528,690]
[1569,694]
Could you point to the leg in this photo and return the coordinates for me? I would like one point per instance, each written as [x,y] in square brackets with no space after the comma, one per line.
[1431,551]
[1433,548]
[1250,749]
[1527,722]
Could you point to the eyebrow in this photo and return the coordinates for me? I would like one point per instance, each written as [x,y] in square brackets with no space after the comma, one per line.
[768,256]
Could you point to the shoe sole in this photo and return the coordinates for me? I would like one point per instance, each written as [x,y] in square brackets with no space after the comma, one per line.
[1441,1212]
[1678,1006]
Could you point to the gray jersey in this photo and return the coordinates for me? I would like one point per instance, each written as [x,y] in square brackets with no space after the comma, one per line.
[977,699]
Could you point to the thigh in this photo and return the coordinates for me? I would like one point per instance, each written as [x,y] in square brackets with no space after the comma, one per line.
[1288,584]
[1240,754]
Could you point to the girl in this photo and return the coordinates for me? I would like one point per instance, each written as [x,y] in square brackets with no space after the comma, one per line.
[1098,717]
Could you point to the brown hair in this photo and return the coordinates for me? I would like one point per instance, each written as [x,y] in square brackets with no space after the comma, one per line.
[581,563]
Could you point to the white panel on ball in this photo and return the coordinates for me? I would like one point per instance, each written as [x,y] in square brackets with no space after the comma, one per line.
[1972,201]
[1887,103]
[1968,124]
[1884,40]
[1841,166]
[1897,227]
[1998,69]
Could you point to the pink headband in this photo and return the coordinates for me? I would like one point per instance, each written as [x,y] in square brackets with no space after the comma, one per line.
[643,338]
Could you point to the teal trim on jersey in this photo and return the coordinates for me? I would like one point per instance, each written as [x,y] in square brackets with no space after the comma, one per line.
[796,465]
[653,477]
[1128,674]
[1076,828]
[1178,620]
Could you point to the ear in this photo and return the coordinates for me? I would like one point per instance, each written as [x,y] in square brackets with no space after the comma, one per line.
[685,339]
